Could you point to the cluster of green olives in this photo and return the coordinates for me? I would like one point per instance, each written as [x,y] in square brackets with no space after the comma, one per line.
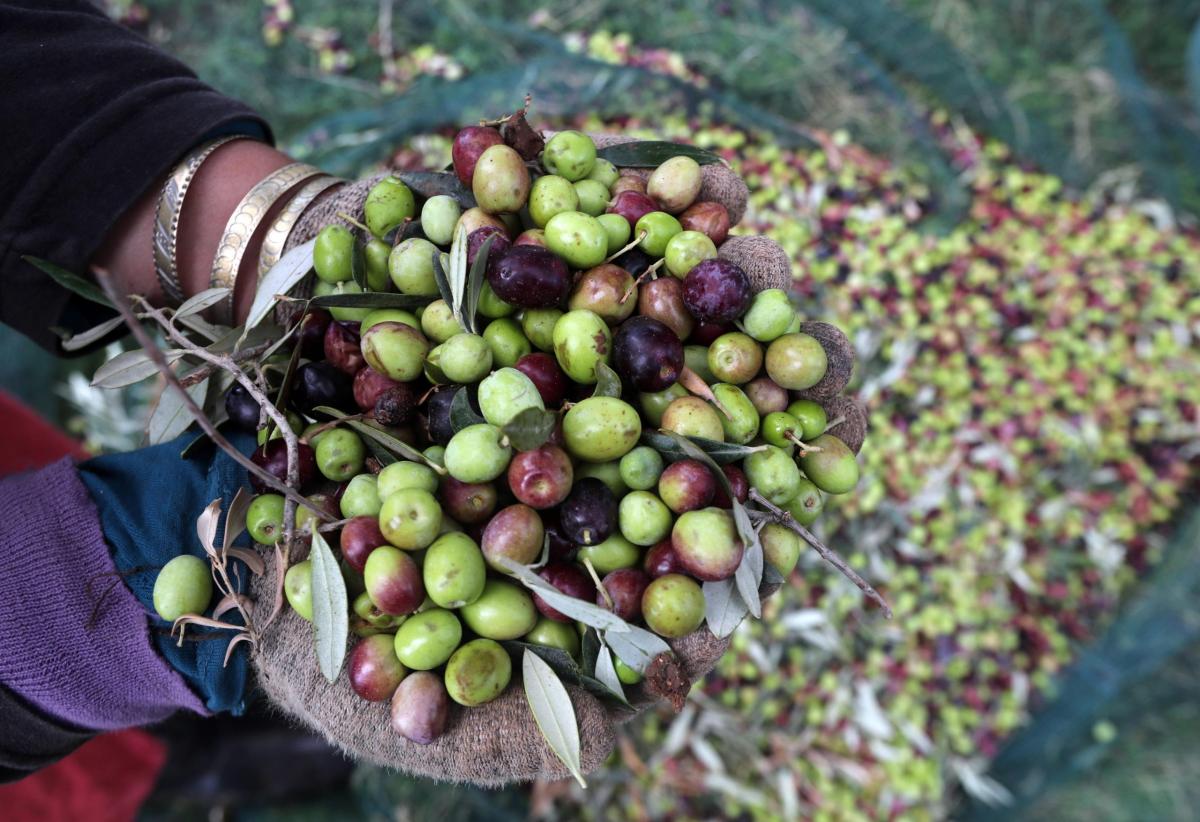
[592,277]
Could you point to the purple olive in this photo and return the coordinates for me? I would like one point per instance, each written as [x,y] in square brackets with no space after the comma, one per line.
[716,291]
[648,354]
[530,276]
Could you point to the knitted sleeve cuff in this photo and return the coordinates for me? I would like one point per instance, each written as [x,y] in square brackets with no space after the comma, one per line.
[76,643]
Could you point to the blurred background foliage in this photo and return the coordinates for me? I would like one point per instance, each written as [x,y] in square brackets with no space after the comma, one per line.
[996,200]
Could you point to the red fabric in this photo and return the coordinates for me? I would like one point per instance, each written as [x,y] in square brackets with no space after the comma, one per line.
[109,777]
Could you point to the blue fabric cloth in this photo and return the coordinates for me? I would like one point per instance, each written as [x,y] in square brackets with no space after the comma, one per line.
[149,501]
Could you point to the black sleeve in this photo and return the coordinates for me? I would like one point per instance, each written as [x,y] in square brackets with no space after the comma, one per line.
[91,115]
[31,740]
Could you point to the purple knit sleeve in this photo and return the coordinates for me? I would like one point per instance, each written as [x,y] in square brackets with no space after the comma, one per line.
[74,641]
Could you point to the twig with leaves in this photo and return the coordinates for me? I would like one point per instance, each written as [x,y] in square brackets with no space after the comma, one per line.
[121,303]
[226,363]
[774,513]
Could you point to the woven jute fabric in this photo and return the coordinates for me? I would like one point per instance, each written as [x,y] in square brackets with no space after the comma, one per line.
[490,745]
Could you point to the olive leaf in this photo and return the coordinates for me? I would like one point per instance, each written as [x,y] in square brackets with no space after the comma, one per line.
[608,384]
[207,524]
[380,453]
[606,673]
[457,275]
[443,282]
[77,342]
[372,299]
[199,302]
[724,608]
[330,608]
[585,612]
[722,453]
[553,712]
[475,280]
[530,428]
[636,647]
[461,412]
[171,416]
[653,153]
[285,384]
[431,183]
[280,279]
[235,518]
[375,432]
[589,646]
[358,267]
[750,570]
[72,282]
[564,665]
[203,327]
[130,367]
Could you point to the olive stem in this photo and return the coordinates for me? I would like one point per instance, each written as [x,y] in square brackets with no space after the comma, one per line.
[205,371]
[804,447]
[587,563]
[649,272]
[353,222]
[325,426]
[695,384]
[834,424]
[828,554]
[121,302]
[632,244]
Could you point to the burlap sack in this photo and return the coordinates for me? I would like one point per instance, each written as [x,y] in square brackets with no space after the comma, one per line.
[497,743]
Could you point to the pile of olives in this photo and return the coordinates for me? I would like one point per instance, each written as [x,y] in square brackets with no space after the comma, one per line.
[568,295]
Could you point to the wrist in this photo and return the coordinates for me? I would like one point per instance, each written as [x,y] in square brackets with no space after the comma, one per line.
[219,185]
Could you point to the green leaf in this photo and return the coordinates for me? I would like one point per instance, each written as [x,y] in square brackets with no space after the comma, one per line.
[203,327]
[130,367]
[590,647]
[443,282]
[358,267]
[462,414]
[608,384]
[72,282]
[199,302]
[553,712]
[722,453]
[475,281]
[724,608]
[586,612]
[457,275]
[606,673]
[83,339]
[653,153]
[636,647]
[330,606]
[282,278]
[171,416]
[431,183]
[530,428]
[372,299]
[380,453]
[563,664]
[376,433]
[749,572]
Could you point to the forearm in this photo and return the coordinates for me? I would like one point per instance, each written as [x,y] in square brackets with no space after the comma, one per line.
[219,185]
